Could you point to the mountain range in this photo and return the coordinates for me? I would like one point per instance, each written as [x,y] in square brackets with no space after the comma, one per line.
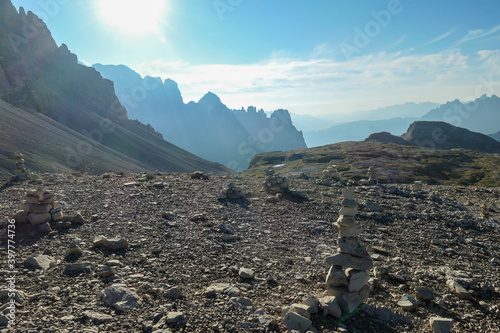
[480,115]
[50,98]
[207,128]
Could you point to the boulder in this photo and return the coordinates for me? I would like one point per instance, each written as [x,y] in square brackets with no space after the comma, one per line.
[330,306]
[120,297]
[40,261]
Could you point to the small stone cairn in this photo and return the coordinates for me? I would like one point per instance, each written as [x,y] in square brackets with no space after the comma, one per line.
[39,209]
[21,171]
[372,174]
[331,173]
[417,186]
[347,277]
[231,192]
[485,211]
[275,183]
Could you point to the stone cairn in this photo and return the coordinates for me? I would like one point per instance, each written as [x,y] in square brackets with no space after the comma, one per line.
[331,173]
[372,175]
[485,211]
[348,276]
[231,192]
[39,209]
[21,171]
[275,183]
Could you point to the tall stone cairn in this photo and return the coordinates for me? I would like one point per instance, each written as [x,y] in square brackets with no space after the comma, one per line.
[348,276]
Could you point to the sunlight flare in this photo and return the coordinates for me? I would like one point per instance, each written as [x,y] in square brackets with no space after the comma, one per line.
[132,17]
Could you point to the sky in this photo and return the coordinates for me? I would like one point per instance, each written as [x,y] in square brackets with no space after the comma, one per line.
[316,57]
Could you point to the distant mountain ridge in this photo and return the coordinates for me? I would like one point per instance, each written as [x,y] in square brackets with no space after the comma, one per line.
[207,128]
[496,136]
[36,74]
[481,115]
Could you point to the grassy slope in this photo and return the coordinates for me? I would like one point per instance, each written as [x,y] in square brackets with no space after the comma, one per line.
[393,163]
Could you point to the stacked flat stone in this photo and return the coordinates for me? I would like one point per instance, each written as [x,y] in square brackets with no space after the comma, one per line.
[276,183]
[40,208]
[331,173]
[231,192]
[21,171]
[348,276]
[417,186]
[372,175]
[485,212]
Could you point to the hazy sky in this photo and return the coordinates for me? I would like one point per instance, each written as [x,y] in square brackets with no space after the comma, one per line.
[316,57]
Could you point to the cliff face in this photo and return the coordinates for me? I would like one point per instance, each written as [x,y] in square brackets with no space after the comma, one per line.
[41,78]
[35,73]
[207,128]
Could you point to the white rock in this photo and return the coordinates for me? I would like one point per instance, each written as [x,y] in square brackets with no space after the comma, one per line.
[357,279]
[294,321]
[330,305]
[312,302]
[40,261]
[441,325]
[246,273]
[120,297]
[407,303]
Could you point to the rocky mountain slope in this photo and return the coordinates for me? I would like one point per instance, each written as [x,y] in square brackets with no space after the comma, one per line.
[392,163]
[49,146]
[36,74]
[441,135]
[207,128]
[186,262]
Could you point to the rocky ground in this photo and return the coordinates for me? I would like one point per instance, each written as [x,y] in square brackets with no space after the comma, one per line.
[177,253]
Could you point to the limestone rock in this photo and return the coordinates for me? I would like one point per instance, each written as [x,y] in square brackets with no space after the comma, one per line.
[40,261]
[294,321]
[458,289]
[21,217]
[246,273]
[313,303]
[357,279]
[176,318]
[117,243]
[352,246]
[348,302]
[441,325]
[78,219]
[407,303]
[173,293]
[336,277]
[38,218]
[77,268]
[330,305]
[343,259]
[44,228]
[120,297]
[424,294]
[301,309]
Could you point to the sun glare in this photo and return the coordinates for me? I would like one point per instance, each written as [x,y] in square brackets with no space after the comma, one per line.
[133,17]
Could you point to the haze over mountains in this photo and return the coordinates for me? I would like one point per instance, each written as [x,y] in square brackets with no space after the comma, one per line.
[481,115]
[207,128]
[93,132]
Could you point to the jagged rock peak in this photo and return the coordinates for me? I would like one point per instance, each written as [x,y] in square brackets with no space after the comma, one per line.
[210,99]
